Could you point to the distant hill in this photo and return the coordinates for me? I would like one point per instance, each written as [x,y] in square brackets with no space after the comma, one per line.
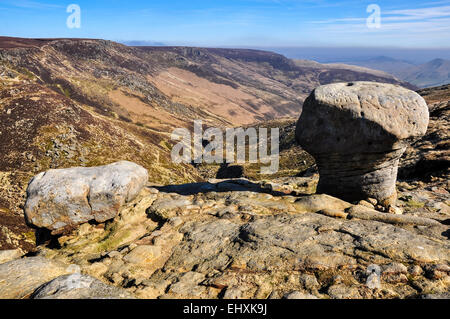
[433,73]
[245,86]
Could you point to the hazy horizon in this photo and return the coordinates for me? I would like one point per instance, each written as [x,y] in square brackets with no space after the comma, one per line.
[334,54]
[329,54]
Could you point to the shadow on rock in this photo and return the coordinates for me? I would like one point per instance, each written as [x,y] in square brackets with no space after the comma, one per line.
[227,185]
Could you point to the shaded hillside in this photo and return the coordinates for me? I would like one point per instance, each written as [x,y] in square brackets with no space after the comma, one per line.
[105,75]
[337,72]
[245,86]
[161,87]
[433,73]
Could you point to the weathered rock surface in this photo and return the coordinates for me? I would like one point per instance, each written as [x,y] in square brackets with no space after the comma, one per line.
[298,295]
[357,132]
[20,277]
[77,286]
[241,239]
[430,155]
[10,254]
[60,199]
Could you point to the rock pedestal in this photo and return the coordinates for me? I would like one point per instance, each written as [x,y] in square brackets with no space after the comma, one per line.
[357,133]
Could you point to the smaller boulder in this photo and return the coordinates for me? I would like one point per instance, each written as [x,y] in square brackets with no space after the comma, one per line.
[61,199]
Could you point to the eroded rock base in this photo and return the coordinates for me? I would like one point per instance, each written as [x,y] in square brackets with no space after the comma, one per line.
[355,177]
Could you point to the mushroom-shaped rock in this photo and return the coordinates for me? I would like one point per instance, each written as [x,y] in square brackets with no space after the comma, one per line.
[357,133]
[61,199]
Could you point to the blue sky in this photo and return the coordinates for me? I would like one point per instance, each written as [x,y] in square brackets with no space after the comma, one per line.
[261,23]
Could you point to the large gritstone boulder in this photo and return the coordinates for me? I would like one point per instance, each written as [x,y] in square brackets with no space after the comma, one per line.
[357,133]
[61,199]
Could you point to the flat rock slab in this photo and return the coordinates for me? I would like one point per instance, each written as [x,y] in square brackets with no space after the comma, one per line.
[252,244]
[77,286]
[20,277]
[10,254]
[61,199]
[305,241]
[365,213]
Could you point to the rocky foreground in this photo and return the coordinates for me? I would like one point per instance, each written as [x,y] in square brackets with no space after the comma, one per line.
[105,232]
[240,239]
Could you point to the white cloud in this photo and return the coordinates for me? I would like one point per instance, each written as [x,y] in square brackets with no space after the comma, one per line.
[398,15]
[32,4]
[420,13]
[401,23]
